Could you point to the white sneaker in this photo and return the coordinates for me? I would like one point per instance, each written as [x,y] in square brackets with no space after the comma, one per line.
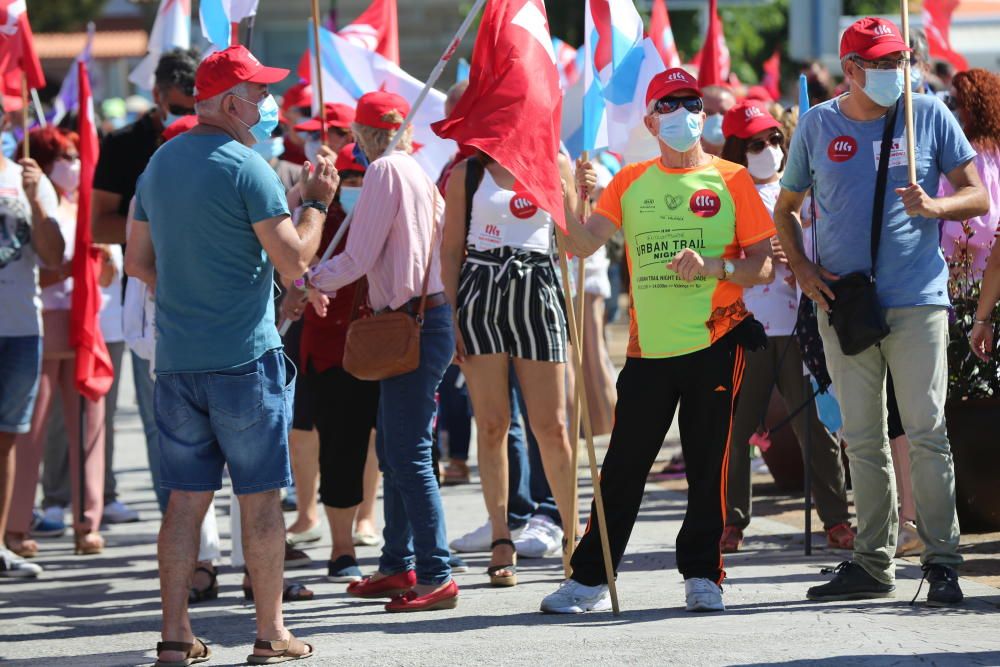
[15,567]
[572,597]
[542,538]
[119,512]
[703,595]
[479,539]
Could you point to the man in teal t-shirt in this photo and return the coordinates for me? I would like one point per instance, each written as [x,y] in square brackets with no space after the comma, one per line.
[211,224]
[835,152]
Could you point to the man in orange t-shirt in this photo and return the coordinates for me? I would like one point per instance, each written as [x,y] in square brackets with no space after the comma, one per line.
[696,234]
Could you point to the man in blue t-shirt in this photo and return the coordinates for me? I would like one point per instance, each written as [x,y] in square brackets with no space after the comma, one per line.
[211,226]
[835,152]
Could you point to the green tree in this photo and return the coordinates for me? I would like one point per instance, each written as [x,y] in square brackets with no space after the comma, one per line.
[63,15]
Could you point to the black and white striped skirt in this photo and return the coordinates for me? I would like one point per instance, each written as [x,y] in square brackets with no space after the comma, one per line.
[510,302]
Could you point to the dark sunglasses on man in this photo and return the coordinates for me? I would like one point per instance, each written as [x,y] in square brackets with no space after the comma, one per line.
[179,110]
[777,140]
[666,105]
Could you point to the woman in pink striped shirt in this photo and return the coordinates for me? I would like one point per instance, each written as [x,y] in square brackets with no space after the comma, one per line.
[397,232]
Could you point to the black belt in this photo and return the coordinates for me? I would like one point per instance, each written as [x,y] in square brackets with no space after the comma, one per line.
[413,305]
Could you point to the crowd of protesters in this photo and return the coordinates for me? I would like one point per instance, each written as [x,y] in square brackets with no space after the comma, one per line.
[750,214]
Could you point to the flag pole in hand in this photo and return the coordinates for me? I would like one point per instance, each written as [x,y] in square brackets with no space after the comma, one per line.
[319,70]
[588,430]
[24,115]
[911,162]
[431,80]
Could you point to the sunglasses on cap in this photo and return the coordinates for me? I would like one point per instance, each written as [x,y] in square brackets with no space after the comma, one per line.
[666,105]
[776,140]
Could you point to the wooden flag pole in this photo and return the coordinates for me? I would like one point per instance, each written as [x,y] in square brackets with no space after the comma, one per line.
[911,161]
[319,71]
[588,431]
[25,114]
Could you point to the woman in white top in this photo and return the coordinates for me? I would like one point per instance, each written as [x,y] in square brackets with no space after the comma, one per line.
[498,270]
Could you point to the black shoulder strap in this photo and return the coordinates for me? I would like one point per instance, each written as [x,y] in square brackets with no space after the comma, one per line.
[474,171]
[878,206]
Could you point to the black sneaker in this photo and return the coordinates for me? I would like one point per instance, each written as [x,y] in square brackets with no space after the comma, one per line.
[851,582]
[944,589]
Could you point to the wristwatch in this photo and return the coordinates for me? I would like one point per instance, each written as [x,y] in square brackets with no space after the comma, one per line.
[316,204]
[728,268]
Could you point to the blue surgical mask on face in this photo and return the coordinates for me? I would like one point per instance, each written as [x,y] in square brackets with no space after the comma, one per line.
[349,197]
[713,130]
[171,119]
[271,149]
[267,109]
[916,79]
[9,145]
[680,129]
[360,157]
[884,87]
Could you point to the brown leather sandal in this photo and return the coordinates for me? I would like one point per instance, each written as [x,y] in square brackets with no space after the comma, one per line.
[284,649]
[192,654]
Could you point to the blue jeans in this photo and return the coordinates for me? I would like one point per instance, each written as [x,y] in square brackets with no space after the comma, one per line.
[239,417]
[414,533]
[455,415]
[144,397]
[20,373]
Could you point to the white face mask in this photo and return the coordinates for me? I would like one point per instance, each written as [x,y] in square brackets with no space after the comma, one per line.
[765,164]
[66,175]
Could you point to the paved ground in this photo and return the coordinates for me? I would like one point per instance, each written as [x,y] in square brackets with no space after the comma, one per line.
[103,610]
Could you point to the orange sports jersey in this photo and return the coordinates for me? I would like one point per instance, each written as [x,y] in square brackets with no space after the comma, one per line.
[713,209]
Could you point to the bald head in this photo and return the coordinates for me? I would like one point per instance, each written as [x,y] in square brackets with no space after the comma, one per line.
[454,95]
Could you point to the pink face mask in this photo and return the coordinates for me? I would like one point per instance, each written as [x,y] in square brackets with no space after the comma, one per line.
[66,175]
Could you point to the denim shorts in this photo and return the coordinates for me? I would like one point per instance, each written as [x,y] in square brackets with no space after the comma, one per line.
[20,371]
[238,417]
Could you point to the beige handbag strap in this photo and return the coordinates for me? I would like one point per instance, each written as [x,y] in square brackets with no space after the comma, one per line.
[430,257]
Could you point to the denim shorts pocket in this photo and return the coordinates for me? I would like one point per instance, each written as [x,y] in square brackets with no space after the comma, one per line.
[236,401]
[171,408]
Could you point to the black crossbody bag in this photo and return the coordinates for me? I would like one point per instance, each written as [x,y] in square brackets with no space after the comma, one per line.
[855,313]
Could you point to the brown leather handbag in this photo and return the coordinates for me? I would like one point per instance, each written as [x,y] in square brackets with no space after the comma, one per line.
[384,346]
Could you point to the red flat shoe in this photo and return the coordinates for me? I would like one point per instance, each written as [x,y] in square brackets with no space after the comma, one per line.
[446,598]
[386,587]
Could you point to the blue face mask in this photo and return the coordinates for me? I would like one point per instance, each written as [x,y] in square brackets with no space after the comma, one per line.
[9,145]
[270,149]
[680,130]
[916,79]
[713,130]
[884,87]
[267,109]
[171,119]
[360,157]
[349,197]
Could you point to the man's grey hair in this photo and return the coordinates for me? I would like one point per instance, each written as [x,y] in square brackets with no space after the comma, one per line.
[214,104]
[918,42]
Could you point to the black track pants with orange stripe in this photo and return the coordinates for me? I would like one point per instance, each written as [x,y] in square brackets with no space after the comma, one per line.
[705,384]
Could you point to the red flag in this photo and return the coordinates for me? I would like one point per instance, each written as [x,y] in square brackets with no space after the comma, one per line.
[662,35]
[512,109]
[17,48]
[94,372]
[713,59]
[937,27]
[772,76]
[377,29]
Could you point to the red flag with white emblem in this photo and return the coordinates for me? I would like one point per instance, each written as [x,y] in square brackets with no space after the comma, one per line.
[94,372]
[512,109]
[17,48]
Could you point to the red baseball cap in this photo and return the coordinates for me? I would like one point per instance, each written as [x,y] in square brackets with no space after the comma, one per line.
[224,69]
[669,82]
[871,38]
[180,126]
[299,95]
[759,93]
[337,115]
[373,107]
[346,161]
[747,119]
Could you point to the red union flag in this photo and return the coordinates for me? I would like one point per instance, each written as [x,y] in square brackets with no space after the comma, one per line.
[512,109]
[94,372]
[17,48]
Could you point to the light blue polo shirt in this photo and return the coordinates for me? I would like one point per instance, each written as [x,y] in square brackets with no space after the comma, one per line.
[838,157]
[201,194]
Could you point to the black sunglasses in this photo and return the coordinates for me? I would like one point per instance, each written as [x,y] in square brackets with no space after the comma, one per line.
[671,104]
[776,140]
[180,111]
